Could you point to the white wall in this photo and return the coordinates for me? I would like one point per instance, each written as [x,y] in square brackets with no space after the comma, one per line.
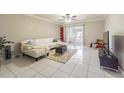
[115,25]
[93,30]
[21,27]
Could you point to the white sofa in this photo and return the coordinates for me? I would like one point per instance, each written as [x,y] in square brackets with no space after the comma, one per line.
[38,47]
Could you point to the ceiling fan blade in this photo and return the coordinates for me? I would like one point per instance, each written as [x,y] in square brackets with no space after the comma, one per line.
[74,16]
[67,14]
[63,16]
[67,17]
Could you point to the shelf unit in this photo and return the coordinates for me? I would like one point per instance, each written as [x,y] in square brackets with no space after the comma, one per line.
[61,33]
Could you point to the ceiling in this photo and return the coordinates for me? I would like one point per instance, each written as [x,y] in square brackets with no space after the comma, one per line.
[57,18]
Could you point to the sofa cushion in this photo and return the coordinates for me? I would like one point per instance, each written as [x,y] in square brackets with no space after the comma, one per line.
[44,41]
[27,47]
[25,41]
[33,43]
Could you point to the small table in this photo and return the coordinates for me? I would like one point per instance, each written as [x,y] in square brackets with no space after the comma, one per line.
[61,49]
[97,45]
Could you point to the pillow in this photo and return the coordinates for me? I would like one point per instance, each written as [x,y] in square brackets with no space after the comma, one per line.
[27,47]
[55,40]
[25,41]
[33,43]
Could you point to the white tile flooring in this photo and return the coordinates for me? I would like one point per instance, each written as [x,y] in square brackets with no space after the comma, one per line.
[84,64]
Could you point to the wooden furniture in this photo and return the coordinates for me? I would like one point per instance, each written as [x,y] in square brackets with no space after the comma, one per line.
[98,44]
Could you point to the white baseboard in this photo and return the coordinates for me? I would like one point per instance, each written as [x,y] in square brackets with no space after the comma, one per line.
[86,44]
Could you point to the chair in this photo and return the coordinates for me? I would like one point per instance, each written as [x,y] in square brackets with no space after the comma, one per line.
[98,44]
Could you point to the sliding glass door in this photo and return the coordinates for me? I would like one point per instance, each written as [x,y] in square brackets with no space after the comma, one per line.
[74,35]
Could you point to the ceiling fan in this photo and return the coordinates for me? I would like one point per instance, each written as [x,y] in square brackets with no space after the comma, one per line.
[68,17]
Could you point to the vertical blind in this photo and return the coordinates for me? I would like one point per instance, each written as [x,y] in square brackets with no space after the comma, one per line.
[74,35]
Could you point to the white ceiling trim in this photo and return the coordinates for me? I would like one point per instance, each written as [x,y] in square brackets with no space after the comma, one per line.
[44,19]
[84,21]
[93,20]
[77,21]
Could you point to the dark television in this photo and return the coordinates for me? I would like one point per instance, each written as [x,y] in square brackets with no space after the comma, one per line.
[106,41]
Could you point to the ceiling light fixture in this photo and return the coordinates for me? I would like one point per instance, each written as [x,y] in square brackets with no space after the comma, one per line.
[68,18]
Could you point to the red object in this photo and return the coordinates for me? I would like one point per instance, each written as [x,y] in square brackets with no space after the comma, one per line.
[61,33]
[99,45]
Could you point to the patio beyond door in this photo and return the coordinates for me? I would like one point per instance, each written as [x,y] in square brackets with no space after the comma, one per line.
[74,35]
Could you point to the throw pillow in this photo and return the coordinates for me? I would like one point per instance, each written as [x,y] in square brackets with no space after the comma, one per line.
[55,40]
[33,43]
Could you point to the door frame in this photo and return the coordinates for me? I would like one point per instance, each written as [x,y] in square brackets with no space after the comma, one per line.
[70,25]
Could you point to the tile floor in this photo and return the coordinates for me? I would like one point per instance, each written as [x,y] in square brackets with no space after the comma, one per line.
[84,64]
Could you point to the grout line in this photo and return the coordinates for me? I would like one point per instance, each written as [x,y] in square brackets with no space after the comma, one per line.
[11,72]
[46,68]
[36,70]
[43,75]
[88,66]
[73,68]
[52,73]
[40,74]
